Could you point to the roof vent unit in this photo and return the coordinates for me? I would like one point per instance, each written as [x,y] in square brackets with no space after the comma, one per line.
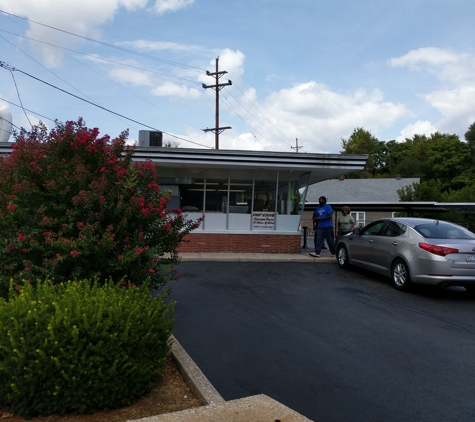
[148,138]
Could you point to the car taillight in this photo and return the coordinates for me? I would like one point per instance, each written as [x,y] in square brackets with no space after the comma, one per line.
[437,250]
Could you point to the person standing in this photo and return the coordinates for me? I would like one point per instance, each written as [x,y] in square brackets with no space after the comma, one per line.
[346,223]
[323,215]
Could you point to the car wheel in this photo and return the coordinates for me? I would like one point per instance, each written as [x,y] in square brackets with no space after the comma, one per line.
[400,275]
[342,257]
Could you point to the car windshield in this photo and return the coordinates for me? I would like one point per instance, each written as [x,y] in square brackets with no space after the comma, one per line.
[440,230]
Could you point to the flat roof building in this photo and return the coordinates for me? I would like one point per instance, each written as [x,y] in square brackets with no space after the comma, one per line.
[251,201]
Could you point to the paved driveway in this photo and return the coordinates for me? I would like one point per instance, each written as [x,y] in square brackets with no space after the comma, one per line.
[331,344]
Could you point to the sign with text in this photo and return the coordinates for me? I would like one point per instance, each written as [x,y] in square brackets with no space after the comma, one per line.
[263,220]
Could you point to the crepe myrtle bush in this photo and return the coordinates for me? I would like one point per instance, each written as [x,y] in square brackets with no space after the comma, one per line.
[80,347]
[74,205]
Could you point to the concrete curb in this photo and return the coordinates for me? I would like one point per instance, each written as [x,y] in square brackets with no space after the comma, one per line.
[194,378]
[254,257]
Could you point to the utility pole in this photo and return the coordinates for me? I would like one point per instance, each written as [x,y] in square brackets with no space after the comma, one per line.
[217,87]
[296,147]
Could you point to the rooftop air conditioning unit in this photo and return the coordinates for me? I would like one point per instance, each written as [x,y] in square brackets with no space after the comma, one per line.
[148,138]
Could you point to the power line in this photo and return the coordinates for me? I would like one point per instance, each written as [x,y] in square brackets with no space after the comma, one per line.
[130,27]
[19,98]
[98,57]
[262,114]
[6,66]
[228,104]
[195,69]
[66,82]
[105,77]
[30,111]
[142,55]
[8,121]
[250,114]
[54,120]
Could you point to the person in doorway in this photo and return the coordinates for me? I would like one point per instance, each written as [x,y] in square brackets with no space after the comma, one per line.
[323,215]
[346,223]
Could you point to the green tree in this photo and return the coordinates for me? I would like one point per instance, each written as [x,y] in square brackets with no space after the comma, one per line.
[74,205]
[363,142]
[421,192]
[444,158]
[470,138]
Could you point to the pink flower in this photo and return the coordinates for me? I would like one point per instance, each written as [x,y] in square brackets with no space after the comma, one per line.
[21,237]
[151,270]
[74,253]
[10,207]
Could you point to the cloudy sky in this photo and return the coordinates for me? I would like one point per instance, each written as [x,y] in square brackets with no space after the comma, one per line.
[310,70]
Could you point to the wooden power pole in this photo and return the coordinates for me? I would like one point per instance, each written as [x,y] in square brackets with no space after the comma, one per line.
[217,87]
[296,147]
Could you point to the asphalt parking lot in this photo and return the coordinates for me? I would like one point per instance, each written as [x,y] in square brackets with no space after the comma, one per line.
[331,344]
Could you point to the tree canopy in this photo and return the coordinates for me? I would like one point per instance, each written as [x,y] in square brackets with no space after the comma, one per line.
[441,157]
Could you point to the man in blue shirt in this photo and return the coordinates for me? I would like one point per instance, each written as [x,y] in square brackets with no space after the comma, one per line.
[323,215]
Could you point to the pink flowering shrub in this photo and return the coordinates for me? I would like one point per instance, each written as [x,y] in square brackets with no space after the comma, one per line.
[73,205]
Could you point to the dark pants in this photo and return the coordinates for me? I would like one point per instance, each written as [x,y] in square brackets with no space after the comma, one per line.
[325,233]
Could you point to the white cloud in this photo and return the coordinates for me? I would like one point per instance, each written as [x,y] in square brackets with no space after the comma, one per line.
[162,6]
[455,98]
[446,65]
[157,45]
[319,117]
[231,61]
[457,106]
[421,127]
[135,77]
[170,89]
[84,19]
[272,77]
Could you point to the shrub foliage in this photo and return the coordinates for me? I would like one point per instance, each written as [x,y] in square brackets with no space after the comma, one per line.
[80,346]
[75,205]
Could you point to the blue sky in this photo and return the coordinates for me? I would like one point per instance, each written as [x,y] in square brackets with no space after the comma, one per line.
[307,69]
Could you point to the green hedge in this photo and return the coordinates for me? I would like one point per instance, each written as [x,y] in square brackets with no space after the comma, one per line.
[80,347]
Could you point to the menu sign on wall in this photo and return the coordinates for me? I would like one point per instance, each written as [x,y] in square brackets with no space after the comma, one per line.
[263,220]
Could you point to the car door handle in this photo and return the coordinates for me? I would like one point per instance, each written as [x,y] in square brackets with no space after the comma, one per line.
[370,240]
[394,243]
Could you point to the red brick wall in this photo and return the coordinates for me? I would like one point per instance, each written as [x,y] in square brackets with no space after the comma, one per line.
[251,243]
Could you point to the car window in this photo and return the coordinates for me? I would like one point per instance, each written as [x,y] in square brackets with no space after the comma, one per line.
[373,228]
[394,229]
[442,230]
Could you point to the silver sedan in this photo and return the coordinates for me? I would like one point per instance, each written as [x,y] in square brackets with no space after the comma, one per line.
[412,250]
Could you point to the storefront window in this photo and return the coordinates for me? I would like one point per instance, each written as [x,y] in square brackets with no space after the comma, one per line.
[238,200]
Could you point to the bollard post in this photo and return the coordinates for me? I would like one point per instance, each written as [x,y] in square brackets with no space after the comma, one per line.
[304,237]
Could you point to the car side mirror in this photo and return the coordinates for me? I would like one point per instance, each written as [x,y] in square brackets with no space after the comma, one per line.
[356,231]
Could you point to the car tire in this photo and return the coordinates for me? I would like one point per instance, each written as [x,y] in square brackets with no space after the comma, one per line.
[342,257]
[400,275]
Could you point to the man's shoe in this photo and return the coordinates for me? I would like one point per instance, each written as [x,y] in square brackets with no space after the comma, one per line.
[315,255]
